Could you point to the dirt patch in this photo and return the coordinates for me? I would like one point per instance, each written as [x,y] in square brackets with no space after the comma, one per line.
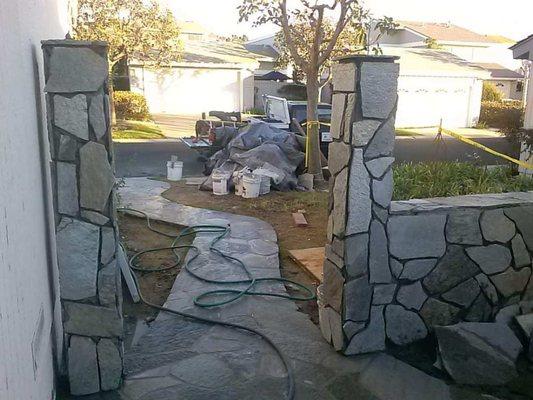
[275,208]
[155,286]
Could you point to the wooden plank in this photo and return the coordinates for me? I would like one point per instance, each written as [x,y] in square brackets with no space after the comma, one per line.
[311,260]
[299,219]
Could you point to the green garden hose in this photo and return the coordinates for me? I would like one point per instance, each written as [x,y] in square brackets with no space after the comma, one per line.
[234,294]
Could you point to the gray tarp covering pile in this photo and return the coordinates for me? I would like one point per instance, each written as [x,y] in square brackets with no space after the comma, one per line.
[257,145]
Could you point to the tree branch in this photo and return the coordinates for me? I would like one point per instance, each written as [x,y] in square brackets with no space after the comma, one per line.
[341,24]
[284,20]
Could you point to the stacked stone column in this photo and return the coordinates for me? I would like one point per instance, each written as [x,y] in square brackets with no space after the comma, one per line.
[86,231]
[357,275]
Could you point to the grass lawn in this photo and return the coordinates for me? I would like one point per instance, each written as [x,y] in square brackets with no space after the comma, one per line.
[407,132]
[137,130]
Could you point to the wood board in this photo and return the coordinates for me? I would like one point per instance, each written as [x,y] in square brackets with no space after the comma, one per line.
[311,260]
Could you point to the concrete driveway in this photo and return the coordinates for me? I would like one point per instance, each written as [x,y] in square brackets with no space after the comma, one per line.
[176,126]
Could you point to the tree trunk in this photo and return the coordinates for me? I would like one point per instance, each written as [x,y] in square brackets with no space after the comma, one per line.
[313,157]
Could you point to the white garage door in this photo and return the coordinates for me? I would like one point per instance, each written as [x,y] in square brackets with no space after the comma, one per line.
[423,101]
[187,90]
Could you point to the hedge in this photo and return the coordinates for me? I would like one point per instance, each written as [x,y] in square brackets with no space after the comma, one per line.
[506,116]
[129,105]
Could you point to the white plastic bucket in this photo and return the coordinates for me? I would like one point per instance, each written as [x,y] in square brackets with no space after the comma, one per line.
[237,180]
[174,170]
[251,185]
[265,185]
[220,183]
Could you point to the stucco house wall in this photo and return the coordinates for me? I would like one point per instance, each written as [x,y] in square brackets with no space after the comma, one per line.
[28,277]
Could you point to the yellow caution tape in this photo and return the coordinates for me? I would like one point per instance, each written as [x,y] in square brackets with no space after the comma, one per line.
[466,140]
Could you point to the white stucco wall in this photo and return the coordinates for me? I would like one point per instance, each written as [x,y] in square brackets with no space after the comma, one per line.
[424,100]
[191,91]
[26,290]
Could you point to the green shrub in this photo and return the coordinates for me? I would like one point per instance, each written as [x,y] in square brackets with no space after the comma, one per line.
[491,93]
[129,105]
[444,179]
[507,116]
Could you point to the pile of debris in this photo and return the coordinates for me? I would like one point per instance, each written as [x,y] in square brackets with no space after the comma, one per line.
[255,151]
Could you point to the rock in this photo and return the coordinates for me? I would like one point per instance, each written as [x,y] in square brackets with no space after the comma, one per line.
[94,217]
[480,311]
[359,201]
[96,176]
[333,284]
[382,190]
[506,314]
[491,259]
[479,353]
[349,114]
[372,338]
[380,213]
[378,166]
[487,287]
[333,257]
[378,263]
[463,294]
[511,282]
[520,253]
[525,322]
[337,246]
[73,70]
[107,251]
[416,236]
[77,252]
[339,156]
[379,85]
[70,114]
[97,116]
[110,363]
[437,313]
[67,189]
[523,218]
[496,227]
[338,105]
[351,328]
[463,228]
[357,299]
[403,327]
[107,285]
[335,323]
[67,148]
[396,267]
[306,181]
[454,268]
[417,269]
[356,254]
[82,366]
[344,77]
[412,296]
[339,203]
[383,294]
[89,320]
[363,131]
[382,144]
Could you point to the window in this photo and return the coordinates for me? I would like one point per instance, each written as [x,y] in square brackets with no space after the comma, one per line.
[519,86]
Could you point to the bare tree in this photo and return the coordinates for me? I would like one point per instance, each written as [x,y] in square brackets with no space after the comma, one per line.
[312,31]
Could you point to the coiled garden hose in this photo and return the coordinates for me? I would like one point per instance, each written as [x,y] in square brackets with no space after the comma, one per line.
[234,294]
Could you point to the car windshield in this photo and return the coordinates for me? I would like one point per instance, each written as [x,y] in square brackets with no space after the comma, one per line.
[300,112]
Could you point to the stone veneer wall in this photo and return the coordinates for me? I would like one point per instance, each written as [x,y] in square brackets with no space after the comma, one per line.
[86,232]
[395,270]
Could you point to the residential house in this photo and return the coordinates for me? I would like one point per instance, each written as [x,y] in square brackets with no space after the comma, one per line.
[487,51]
[212,74]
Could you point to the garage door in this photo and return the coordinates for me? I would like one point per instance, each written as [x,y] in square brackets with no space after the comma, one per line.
[423,101]
[188,90]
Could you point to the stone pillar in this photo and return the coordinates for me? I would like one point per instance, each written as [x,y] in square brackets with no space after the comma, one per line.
[357,275]
[83,179]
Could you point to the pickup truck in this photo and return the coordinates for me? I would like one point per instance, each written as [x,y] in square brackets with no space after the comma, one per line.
[279,112]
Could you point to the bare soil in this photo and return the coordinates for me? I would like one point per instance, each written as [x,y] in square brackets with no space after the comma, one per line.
[276,208]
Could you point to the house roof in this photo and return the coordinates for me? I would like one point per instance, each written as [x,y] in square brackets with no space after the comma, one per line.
[192,27]
[499,71]
[429,62]
[523,49]
[263,50]
[445,32]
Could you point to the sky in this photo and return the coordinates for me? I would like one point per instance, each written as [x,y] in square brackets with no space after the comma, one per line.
[511,18]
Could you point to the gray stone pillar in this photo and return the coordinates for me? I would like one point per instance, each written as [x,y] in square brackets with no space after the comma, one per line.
[83,179]
[357,275]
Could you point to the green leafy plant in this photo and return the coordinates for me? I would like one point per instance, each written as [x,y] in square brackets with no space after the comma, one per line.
[507,116]
[491,93]
[444,179]
[130,105]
